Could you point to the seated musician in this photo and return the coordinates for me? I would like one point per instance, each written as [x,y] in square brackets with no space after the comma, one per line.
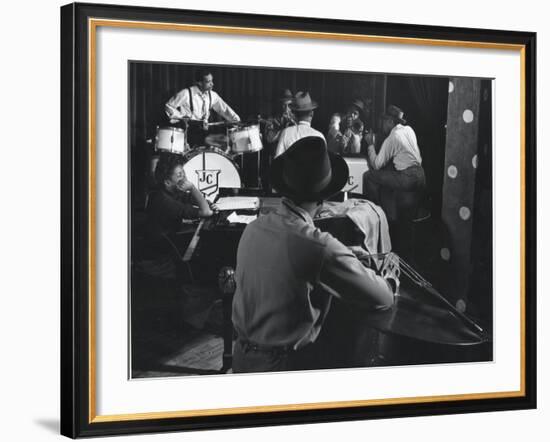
[288,271]
[345,133]
[175,199]
[195,104]
[397,167]
[303,108]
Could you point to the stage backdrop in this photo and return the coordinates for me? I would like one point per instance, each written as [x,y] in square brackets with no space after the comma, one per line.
[249,91]
[253,92]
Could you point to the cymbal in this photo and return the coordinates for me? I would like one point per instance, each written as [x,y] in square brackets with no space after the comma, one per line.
[216,140]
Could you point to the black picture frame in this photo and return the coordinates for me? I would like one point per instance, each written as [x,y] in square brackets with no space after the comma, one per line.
[77,405]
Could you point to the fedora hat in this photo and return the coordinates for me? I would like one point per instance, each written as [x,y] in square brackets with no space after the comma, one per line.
[395,114]
[286,96]
[303,102]
[358,104]
[307,171]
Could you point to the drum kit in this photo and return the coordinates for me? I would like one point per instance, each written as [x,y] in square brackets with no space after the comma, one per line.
[217,163]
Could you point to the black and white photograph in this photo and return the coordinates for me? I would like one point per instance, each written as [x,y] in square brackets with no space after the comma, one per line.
[272,220]
[299,219]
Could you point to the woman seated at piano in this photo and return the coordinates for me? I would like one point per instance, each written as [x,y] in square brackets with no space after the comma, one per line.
[176,199]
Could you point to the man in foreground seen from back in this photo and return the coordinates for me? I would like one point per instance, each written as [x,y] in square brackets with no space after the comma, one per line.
[288,271]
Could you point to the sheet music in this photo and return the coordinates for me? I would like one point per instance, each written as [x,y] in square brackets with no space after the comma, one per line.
[238,203]
[241,219]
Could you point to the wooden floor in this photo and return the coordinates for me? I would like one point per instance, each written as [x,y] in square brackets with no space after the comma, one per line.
[179,333]
[197,352]
[175,336]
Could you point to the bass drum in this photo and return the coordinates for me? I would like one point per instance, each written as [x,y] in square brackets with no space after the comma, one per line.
[209,169]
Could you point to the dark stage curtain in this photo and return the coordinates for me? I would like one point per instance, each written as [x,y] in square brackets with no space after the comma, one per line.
[424,101]
[249,91]
[430,95]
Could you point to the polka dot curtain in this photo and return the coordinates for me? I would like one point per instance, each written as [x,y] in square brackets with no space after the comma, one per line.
[459,183]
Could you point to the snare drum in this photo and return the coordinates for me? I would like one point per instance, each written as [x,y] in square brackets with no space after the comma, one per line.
[245,139]
[209,169]
[171,139]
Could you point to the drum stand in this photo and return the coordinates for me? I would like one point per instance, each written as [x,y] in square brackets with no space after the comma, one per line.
[259,162]
[241,160]
[258,165]
[258,174]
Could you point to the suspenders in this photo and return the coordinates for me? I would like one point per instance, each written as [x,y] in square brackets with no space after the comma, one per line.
[191,100]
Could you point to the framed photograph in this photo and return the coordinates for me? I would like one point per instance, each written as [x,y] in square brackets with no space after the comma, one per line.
[274,220]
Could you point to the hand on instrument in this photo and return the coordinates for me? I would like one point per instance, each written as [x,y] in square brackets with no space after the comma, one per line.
[357,127]
[359,252]
[205,124]
[288,119]
[390,270]
[348,132]
[214,207]
[369,138]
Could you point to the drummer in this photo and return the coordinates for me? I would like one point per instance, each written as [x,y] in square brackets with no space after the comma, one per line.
[195,103]
[303,108]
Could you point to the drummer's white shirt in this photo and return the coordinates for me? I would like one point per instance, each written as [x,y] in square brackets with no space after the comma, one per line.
[293,133]
[178,106]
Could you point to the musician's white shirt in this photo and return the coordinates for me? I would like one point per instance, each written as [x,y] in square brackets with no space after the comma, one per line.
[294,133]
[179,107]
[400,146]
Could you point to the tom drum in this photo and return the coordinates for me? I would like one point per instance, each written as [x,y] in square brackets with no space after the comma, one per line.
[171,139]
[245,139]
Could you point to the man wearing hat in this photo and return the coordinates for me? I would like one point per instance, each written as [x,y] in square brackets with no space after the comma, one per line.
[288,271]
[354,112]
[273,129]
[345,133]
[285,119]
[398,164]
[302,106]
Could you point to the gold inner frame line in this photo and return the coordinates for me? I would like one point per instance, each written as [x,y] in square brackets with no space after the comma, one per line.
[301,34]
[93,23]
